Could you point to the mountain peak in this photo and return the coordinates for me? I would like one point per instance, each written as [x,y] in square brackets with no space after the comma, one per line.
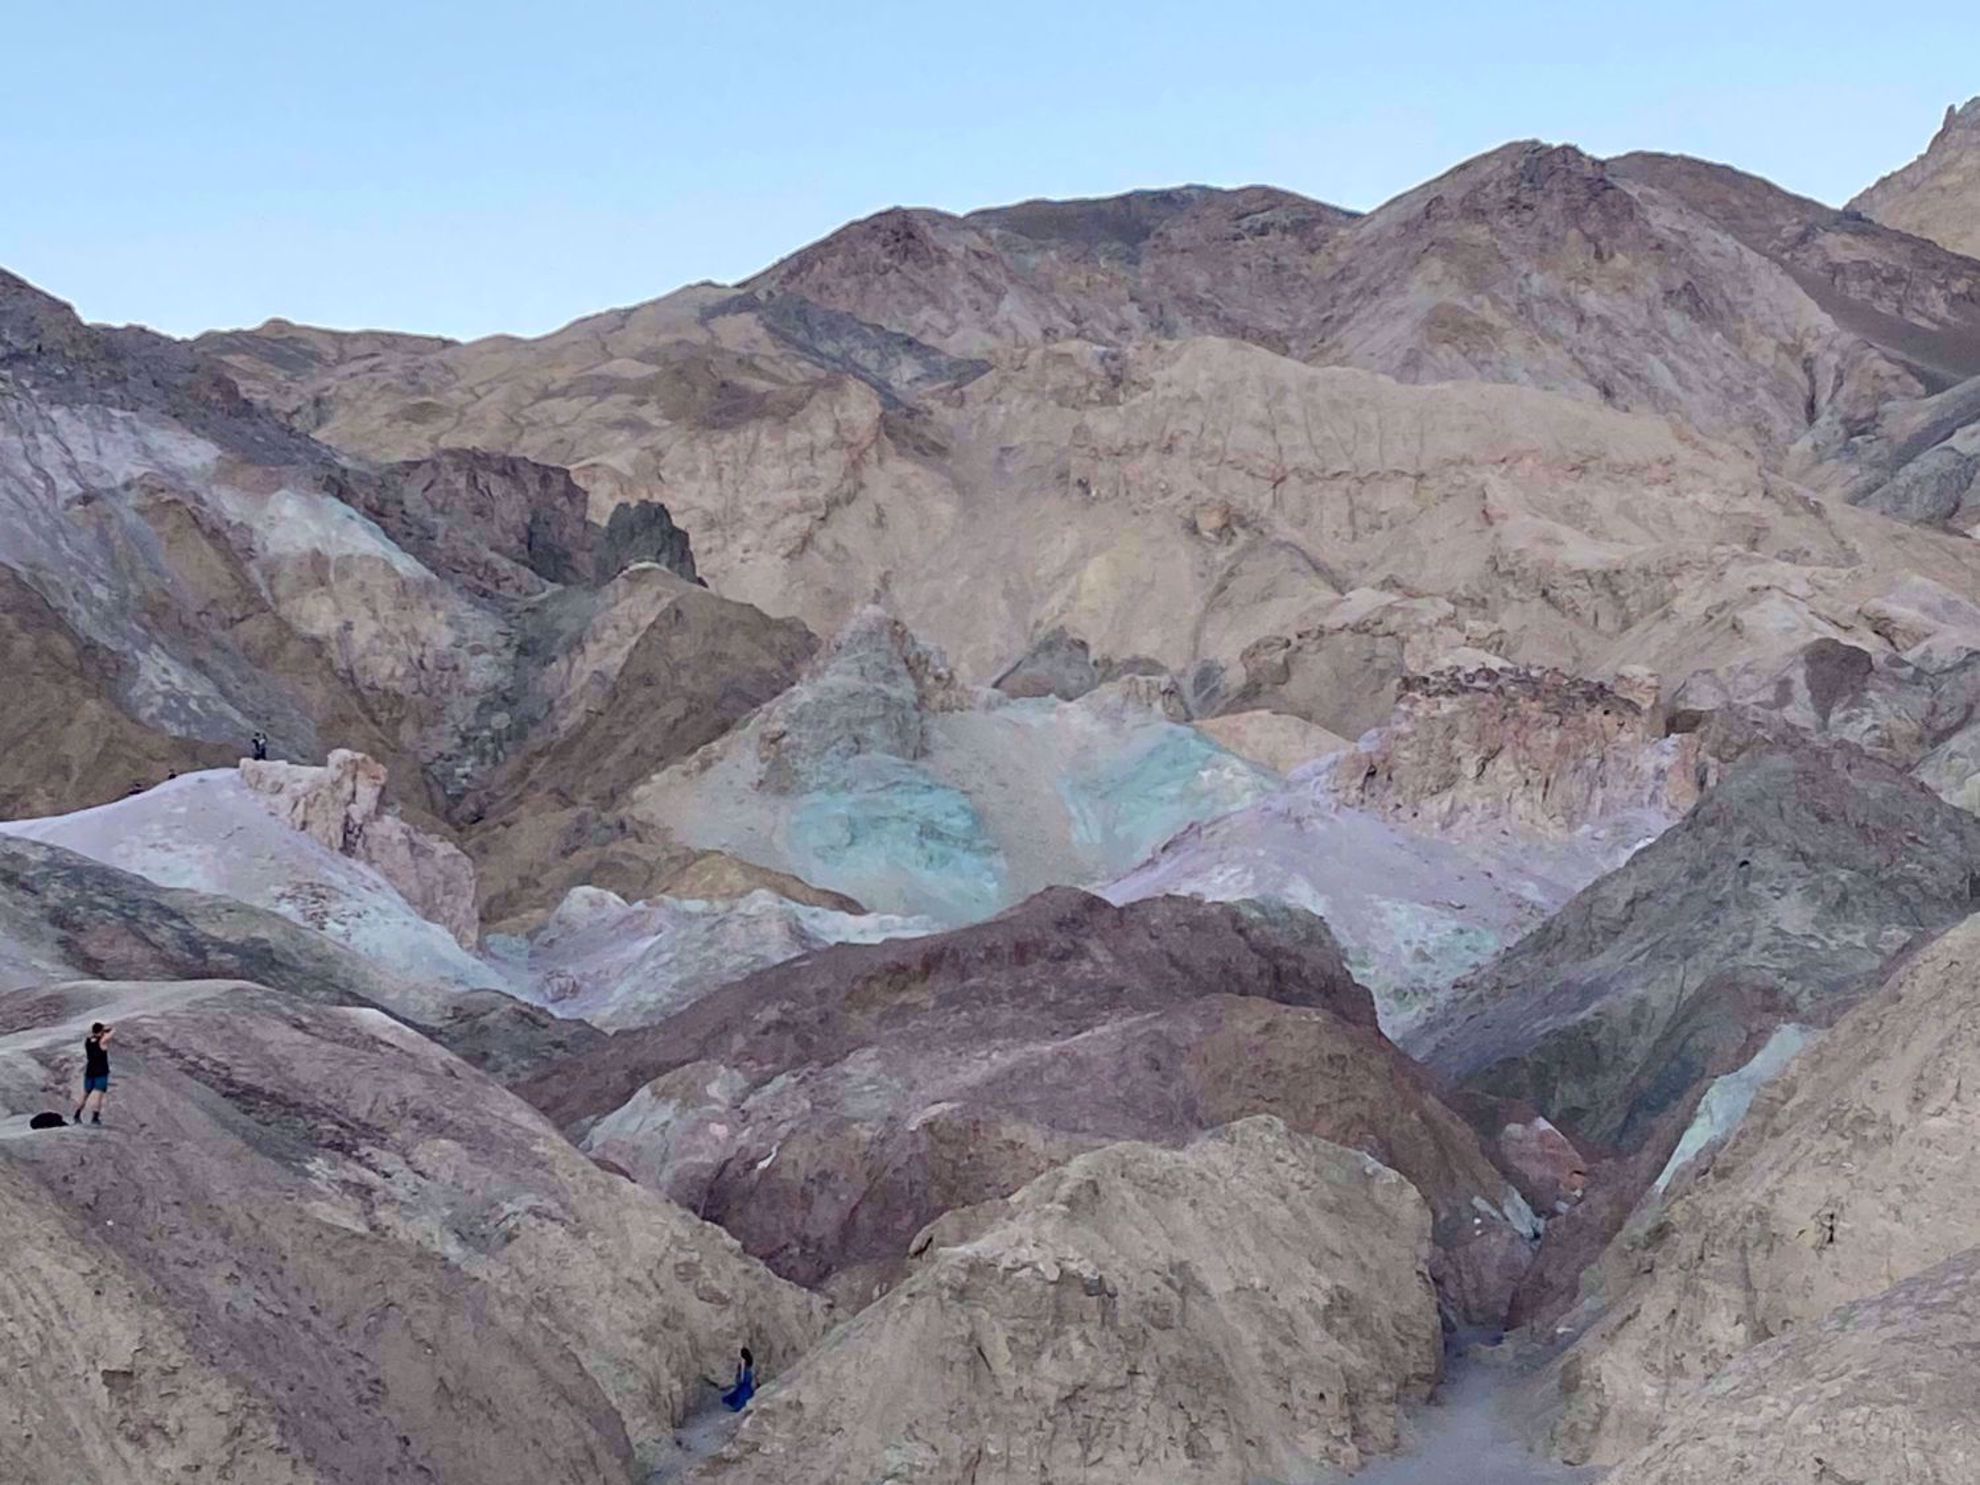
[1936,196]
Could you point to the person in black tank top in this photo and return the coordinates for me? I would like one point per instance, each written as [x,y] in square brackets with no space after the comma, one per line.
[96,1071]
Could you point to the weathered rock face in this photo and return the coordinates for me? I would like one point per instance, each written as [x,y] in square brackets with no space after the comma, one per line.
[1251,1306]
[1544,1163]
[825,1109]
[211,833]
[1878,1390]
[263,1192]
[1855,1170]
[1918,461]
[1937,195]
[1530,264]
[642,532]
[499,525]
[714,877]
[1783,896]
[1905,692]
[618,965]
[341,806]
[1057,664]
[273,361]
[1484,749]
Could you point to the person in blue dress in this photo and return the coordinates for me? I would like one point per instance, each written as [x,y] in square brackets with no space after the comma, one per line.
[738,1396]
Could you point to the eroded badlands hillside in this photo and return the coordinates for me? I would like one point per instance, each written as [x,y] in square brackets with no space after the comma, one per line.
[1101,828]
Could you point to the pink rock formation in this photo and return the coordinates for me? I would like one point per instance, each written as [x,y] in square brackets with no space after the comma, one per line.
[1514,746]
[341,806]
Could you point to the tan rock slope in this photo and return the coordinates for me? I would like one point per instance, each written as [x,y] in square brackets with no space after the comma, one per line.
[310,1245]
[1937,195]
[1878,1390]
[1856,1171]
[1253,1306]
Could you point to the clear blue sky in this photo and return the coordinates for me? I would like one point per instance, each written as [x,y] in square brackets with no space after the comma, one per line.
[471,167]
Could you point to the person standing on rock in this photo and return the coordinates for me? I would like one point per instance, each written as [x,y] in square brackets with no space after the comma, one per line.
[96,1071]
[259,746]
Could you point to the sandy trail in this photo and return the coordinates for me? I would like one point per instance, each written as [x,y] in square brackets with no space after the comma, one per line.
[1464,1436]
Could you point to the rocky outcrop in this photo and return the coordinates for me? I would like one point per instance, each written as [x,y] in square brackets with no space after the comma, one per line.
[880,777]
[869,693]
[1056,664]
[341,806]
[826,1109]
[1854,1171]
[1937,195]
[1251,1306]
[1344,671]
[500,525]
[714,877]
[1486,749]
[642,532]
[1783,896]
[277,1178]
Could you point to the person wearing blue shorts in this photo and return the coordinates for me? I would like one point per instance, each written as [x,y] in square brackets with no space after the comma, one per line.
[96,1071]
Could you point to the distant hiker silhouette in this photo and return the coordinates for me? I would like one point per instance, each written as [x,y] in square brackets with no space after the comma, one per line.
[96,1071]
[737,1397]
[259,745]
